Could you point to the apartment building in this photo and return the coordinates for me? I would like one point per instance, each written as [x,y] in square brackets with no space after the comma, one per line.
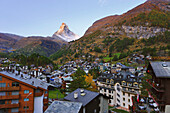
[159,84]
[120,87]
[21,92]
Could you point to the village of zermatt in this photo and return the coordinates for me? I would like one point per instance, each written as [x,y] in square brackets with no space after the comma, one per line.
[92,56]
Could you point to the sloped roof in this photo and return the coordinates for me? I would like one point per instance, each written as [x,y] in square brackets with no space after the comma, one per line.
[161,69]
[89,96]
[26,79]
[64,107]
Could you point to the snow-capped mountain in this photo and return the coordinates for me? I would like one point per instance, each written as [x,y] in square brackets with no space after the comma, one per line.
[65,34]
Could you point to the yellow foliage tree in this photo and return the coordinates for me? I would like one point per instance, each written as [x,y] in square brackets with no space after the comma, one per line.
[89,79]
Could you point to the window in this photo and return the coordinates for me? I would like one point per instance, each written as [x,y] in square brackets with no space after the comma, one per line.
[2,101]
[130,84]
[15,101]
[15,84]
[123,94]
[129,89]
[128,100]
[15,92]
[118,95]
[26,91]
[8,85]
[136,85]
[37,90]
[45,97]
[123,104]
[123,99]
[128,95]
[14,110]
[0,78]
[26,99]
[26,107]
[2,93]
[118,100]
[2,84]
[46,92]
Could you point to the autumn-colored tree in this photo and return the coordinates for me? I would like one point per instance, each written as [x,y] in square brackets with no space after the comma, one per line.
[89,80]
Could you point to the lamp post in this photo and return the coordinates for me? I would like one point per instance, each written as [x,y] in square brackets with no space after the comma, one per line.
[26,101]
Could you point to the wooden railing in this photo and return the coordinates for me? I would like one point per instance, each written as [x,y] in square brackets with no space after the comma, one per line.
[9,106]
[16,88]
[157,88]
[9,97]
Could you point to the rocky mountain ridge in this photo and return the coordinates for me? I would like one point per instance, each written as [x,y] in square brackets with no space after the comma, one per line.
[65,34]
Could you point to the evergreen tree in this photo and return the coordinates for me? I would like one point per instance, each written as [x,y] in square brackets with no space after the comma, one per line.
[79,80]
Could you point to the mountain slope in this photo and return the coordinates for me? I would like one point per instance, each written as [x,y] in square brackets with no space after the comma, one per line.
[65,34]
[161,5]
[36,44]
[8,40]
[132,31]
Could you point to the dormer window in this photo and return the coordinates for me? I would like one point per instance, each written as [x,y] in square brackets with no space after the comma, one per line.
[107,81]
[111,81]
[129,84]
[124,83]
[136,85]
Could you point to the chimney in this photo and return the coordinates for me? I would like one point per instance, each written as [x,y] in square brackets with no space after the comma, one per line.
[81,90]
[21,75]
[18,72]
[32,82]
[75,95]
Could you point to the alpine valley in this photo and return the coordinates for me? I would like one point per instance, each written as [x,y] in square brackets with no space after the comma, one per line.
[36,44]
[143,29]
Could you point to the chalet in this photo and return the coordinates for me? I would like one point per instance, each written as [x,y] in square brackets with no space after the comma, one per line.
[21,92]
[92,102]
[159,84]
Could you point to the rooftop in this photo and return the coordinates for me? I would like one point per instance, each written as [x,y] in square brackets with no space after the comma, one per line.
[161,69]
[26,79]
[85,99]
[64,107]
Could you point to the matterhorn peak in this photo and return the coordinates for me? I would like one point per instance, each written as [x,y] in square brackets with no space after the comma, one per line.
[65,34]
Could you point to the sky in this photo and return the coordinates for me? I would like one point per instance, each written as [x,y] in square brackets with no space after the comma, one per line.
[44,17]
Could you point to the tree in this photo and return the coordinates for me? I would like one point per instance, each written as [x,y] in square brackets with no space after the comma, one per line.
[94,72]
[89,80]
[97,49]
[115,58]
[79,80]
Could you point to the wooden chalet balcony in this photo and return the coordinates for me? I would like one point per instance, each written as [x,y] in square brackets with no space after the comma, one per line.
[45,101]
[160,101]
[9,97]
[10,88]
[157,88]
[9,106]
[38,94]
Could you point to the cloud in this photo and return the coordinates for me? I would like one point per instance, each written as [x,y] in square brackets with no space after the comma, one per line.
[102,2]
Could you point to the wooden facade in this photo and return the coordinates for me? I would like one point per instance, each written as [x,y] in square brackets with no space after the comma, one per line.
[13,95]
[159,88]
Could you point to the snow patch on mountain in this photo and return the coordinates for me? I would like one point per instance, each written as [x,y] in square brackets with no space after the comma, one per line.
[65,34]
